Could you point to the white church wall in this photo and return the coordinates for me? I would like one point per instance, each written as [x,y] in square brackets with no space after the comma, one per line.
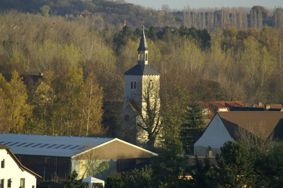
[12,171]
[135,92]
[214,137]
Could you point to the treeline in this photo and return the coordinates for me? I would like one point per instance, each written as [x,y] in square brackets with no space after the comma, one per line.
[234,167]
[242,18]
[236,64]
[102,13]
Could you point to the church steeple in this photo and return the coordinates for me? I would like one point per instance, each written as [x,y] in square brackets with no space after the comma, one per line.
[143,50]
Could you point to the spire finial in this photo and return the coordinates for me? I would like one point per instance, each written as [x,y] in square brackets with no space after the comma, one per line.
[143,44]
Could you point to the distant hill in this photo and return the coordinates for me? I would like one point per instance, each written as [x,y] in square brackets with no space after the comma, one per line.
[119,14]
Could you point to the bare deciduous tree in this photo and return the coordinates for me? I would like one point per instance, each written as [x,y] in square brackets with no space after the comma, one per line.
[256,136]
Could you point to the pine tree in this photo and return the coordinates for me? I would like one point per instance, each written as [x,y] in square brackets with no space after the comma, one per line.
[192,129]
[235,167]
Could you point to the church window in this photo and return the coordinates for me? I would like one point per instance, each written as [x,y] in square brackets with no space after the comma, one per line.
[146,57]
[139,56]
[151,84]
[142,57]
[133,84]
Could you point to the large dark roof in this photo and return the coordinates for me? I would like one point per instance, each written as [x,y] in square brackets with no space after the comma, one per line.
[272,121]
[142,70]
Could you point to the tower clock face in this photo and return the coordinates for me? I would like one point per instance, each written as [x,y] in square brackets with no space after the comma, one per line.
[126,117]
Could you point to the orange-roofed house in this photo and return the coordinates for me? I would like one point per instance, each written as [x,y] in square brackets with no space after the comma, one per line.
[210,108]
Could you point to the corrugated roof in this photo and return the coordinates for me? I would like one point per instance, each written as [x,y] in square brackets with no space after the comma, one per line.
[61,146]
[142,70]
[272,121]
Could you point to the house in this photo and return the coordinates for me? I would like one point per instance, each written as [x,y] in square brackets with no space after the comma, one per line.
[139,80]
[57,156]
[210,108]
[12,173]
[224,126]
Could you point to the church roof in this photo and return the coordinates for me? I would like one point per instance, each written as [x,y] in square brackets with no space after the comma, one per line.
[142,70]
[143,44]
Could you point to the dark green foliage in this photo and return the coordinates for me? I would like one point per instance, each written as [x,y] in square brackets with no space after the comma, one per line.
[269,167]
[201,174]
[235,166]
[169,169]
[139,179]
[202,36]
[192,129]
[114,182]
[71,182]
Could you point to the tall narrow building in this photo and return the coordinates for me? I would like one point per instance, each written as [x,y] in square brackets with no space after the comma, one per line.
[141,82]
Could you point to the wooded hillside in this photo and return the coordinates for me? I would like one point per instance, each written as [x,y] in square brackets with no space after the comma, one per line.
[83,69]
[102,13]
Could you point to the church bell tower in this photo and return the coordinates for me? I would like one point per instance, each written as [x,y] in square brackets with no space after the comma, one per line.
[138,80]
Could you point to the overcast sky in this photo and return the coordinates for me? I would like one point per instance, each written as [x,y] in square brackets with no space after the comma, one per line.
[179,4]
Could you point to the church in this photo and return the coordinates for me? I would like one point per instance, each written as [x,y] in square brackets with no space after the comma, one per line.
[139,118]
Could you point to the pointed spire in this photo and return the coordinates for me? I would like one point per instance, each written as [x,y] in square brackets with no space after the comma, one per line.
[143,44]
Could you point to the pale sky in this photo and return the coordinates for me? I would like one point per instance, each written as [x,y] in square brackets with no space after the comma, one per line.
[179,4]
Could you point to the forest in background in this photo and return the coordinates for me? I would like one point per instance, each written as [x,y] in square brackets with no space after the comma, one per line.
[103,13]
[83,70]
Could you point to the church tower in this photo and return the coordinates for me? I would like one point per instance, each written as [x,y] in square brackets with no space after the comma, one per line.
[139,80]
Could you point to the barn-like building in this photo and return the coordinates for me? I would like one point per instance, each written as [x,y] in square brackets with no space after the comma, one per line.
[57,156]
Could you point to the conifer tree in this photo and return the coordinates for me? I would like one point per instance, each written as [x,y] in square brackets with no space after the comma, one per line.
[235,167]
[192,128]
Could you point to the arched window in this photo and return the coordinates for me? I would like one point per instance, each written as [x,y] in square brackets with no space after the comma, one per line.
[146,57]
[142,57]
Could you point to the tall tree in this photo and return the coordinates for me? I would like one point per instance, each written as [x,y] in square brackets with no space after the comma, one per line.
[192,128]
[91,107]
[18,110]
[235,167]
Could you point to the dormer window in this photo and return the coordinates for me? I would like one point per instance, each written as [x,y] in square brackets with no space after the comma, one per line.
[133,84]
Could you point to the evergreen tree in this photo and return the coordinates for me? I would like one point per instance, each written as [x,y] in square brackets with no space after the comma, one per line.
[169,169]
[71,182]
[193,127]
[235,167]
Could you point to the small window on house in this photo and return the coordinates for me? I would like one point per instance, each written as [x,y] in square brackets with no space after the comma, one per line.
[132,85]
[3,163]
[2,183]
[135,85]
[22,183]
[9,185]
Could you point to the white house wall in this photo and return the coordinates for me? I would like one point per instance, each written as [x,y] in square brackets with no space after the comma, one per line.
[214,137]
[13,172]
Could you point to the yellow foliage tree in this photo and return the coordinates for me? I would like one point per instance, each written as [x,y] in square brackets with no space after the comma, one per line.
[17,108]
[91,108]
